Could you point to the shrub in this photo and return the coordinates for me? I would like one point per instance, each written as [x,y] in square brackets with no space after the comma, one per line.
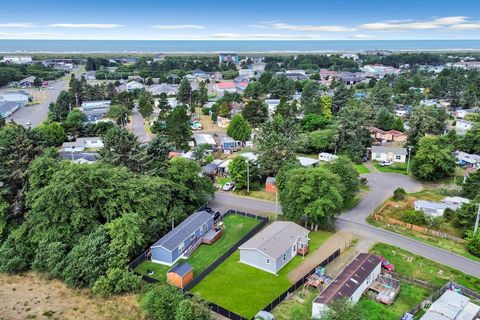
[399,194]
[414,217]
[116,281]
[161,302]
[473,245]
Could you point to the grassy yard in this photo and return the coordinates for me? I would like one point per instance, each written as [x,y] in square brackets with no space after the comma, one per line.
[246,290]
[236,227]
[409,296]
[410,264]
[394,168]
[257,194]
[222,180]
[361,169]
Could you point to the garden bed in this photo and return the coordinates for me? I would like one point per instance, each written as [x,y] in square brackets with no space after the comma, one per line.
[236,227]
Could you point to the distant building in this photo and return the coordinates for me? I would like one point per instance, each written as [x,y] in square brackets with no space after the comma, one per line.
[467,64]
[82,143]
[380,153]
[249,73]
[467,160]
[90,75]
[227,86]
[98,104]
[259,66]
[17,59]
[27,82]
[134,85]
[350,284]
[7,108]
[166,88]
[463,125]
[389,136]
[327,157]
[228,58]
[378,52]
[20,97]
[159,57]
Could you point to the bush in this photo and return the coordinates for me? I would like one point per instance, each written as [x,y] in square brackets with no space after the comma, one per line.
[161,302]
[205,111]
[399,194]
[473,245]
[415,217]
[192,310]
[116,281]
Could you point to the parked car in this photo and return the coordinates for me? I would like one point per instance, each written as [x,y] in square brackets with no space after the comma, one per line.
[228,186]
[386,264]
[385,163]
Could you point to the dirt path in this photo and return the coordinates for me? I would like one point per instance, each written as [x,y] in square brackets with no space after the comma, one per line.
[339,240]
[370,167]
[29,296]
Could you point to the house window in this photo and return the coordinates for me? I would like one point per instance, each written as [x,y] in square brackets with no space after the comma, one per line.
[294,248]
[181,247]
[378,156]
[268,261]
[192,236]
[398,157]
[284,257]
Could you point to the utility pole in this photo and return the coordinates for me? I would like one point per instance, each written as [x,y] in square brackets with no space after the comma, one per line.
[248,176]
[409,155]
[477,221]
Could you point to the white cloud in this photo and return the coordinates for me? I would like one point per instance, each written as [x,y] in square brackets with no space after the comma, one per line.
[414,25]
[86,25]
[466,26]
[19,25]
[309,28]
[178,26]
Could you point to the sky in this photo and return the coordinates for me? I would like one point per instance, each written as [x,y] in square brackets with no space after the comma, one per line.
[240,20]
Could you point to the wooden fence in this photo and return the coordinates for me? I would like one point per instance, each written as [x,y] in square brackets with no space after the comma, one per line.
[424,230]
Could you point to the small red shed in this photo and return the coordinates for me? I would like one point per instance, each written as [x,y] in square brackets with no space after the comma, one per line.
[180,275]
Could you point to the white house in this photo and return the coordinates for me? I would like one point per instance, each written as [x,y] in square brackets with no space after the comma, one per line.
[7,108]
[17,59]
[380,153]
[327,157]
[97,104]
[82,143]
[246,72]
[467,160]
[90,75]
[437,209]
[463,125]
[204,139]
[351,283]
[134,85]
[307,162]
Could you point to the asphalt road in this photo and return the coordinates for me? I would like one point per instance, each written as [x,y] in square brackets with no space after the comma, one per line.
[138,126]
[36,114]
[382,186]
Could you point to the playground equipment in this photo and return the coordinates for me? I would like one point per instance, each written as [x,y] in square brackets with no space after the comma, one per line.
[317,279]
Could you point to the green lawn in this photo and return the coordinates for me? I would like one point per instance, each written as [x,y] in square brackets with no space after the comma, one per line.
[222,180]
[361,169]
[257,194]
[394,168]
[246,290]
[409,296]
[422,268]
[236,227]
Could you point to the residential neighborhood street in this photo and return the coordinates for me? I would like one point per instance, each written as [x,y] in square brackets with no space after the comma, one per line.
[138,126]
[36,114]
[381,186]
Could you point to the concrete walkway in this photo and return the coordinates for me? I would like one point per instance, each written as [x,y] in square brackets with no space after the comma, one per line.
[339,240]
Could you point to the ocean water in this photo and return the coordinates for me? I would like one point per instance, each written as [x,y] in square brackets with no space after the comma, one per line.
[211,46]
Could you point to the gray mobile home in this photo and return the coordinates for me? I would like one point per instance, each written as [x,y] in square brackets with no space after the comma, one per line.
[174,244]
[273,247]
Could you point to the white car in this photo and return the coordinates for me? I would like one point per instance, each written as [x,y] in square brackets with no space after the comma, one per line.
[385,163]
[28,123]
[228,186]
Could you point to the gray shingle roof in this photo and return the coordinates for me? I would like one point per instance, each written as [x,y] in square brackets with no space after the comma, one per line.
[8,106]
[181,269]
[276,238]
[184,230]
[380,149]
